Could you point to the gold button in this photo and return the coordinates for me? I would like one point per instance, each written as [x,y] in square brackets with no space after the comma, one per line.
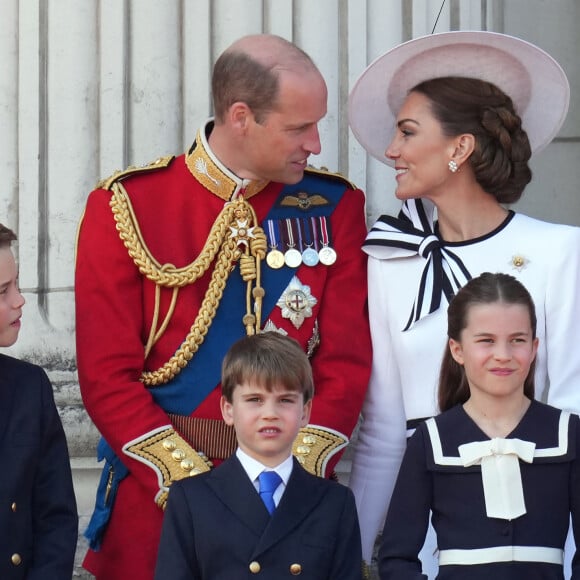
[16,559]
[13,506]
[178,455]
[309,439]
[169,444]
[303,449]
[255,567]
[187,464]
[295,569]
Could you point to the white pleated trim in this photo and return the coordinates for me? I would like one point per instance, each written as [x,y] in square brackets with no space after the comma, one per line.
[501,554]
[559,450]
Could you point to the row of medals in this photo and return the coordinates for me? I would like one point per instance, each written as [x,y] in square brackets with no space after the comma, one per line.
[303,230]
[293,257]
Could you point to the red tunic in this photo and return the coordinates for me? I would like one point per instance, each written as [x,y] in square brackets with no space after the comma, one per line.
[114,306]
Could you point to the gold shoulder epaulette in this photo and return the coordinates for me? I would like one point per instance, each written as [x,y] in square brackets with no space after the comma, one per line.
[159,163]
[315,445]
[326,173]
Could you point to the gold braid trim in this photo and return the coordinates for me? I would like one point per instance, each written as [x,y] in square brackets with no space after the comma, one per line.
[236,219]
[167,453]
[167,275]
[315,445]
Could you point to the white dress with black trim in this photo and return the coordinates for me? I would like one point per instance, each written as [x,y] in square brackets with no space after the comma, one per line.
[411,274]
[443,472]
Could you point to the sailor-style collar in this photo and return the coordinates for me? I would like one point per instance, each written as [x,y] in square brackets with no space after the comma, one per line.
[552,435]
[213,174]
[499,460]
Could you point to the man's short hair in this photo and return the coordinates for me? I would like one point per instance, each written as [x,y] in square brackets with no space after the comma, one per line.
[239,76]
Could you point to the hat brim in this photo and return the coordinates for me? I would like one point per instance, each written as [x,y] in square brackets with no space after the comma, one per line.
[535,82]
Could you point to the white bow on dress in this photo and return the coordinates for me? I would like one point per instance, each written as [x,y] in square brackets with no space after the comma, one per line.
[500,471]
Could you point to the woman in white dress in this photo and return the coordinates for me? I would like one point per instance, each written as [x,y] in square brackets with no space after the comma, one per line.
[458,115]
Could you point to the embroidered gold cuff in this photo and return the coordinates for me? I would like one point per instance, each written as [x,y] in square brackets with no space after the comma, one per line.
[315,445]
[170,456]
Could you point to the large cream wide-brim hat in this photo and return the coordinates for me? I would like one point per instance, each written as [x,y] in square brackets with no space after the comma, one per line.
[535,82]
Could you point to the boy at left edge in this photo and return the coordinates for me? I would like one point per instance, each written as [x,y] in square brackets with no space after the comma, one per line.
[38,513]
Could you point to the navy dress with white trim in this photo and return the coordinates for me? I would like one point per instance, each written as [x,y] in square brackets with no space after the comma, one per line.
[471,544]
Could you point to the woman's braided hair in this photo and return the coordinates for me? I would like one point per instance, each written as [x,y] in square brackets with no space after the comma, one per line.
[502,149]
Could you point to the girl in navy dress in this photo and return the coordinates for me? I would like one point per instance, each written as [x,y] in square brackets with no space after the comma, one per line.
[498,470]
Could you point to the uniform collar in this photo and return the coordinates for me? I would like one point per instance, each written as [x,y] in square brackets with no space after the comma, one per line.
[213,174]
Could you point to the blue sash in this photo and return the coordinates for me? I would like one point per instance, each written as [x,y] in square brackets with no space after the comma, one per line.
[186,391]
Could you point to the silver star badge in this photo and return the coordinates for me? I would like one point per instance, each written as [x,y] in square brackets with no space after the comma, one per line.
[296,302]
[271,327]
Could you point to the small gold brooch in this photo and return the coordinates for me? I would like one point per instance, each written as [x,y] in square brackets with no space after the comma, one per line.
[519,262]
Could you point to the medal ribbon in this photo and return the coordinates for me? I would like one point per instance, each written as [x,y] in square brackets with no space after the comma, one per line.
[306,232]
[314,232]
[324,231]
[299,232]
[273,234]
[289,229]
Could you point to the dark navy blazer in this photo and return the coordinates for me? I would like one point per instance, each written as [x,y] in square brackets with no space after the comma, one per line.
[38,514]
[216,527]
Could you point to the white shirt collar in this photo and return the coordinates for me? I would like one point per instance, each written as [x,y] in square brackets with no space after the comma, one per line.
[253,467]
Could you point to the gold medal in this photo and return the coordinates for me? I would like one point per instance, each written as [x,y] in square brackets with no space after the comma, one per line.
[275,259]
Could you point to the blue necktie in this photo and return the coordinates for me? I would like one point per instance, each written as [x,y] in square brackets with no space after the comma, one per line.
[269,482]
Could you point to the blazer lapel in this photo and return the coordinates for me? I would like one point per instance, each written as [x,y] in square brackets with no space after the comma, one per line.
[301,495]
[233,487]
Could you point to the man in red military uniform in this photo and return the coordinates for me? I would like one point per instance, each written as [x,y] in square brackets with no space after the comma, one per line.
[178,259]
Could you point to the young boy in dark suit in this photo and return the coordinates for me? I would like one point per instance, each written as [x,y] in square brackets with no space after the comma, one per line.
[217,525]
[38,515]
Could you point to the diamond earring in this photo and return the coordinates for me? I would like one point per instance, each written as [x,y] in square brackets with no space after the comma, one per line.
[453,167]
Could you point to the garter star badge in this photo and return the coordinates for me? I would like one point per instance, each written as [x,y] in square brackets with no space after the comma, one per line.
[296,302]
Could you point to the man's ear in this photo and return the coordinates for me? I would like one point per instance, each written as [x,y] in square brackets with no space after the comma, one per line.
[227,411]
[240,116]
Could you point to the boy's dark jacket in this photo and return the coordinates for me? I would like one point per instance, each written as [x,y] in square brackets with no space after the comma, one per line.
[216,527]
[38,516]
